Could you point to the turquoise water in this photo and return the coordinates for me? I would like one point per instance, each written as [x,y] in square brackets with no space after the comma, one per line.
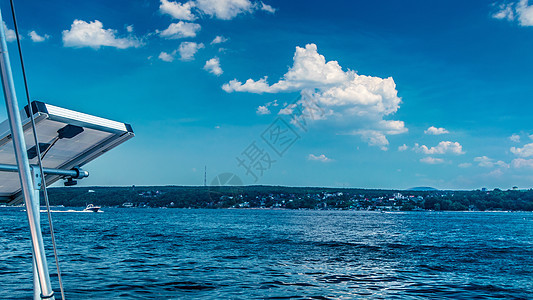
[279,254]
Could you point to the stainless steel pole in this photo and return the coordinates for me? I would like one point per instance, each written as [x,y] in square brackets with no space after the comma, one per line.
[36,210]
[25,175]
[76,173]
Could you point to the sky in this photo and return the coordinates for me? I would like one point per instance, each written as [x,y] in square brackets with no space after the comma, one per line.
[364,94]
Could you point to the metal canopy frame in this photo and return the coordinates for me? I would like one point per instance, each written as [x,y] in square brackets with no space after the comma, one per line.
[117,133]
[73,154]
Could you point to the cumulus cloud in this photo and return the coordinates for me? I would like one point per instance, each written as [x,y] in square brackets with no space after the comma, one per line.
[37,38]
[519,11]
[218,40]
[435,131]
[515,138]
[287,110]
[465,165]
[525,13]
[310,70]
[432,160]
[486,162]
[218,9]
[180,11]
[10,33]
[180,30]
[93,34]
[444,147]
[168,57]
[187,50]
[265,109]
[403,147]
[347,98]
[522,163]
[373,138]
[224,9]
[320,158]
[525,151]
[213,66]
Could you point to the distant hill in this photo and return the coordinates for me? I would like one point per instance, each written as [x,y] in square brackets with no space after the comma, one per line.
[422,189]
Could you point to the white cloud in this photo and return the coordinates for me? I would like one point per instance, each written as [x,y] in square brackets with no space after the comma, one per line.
[224,9]
[218,40]
[129,28]
[347,98]
[213,66]
[444,147]
[218,9]
[263,110]
[505,11]
[495,173]
[267,8]
[465,165]
[403,147]
[486,162]
[373,138]
[525,151]
[10,33]
[180,11]
[250,85]
[37,38]
[93,34]
[435,131]
[525,13]
[310,70]
[166,56]
[287,110]
[187,50]
[522,163]
[180,30]
[431,160]
[320,158]
[515,138]
[520,11]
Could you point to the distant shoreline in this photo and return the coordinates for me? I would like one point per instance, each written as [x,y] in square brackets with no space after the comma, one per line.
[66,208]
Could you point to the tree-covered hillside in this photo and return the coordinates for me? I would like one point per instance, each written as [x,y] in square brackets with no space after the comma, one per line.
[292,198]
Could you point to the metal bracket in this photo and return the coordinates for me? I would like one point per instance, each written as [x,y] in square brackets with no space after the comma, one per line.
[36,177]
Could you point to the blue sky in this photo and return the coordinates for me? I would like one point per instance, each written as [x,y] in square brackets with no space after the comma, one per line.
[393,94]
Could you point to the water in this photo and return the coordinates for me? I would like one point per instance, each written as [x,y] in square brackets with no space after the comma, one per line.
[279,254]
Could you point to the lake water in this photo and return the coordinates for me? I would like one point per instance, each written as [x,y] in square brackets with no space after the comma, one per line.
[279,254]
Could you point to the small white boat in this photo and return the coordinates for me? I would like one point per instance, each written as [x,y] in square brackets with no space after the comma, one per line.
[92,208]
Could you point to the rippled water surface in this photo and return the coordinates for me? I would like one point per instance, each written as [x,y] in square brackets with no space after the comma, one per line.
[280,254]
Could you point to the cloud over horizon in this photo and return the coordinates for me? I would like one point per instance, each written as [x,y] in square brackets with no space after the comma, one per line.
[358,104]
[320,158]
[435,131]
[444,147]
